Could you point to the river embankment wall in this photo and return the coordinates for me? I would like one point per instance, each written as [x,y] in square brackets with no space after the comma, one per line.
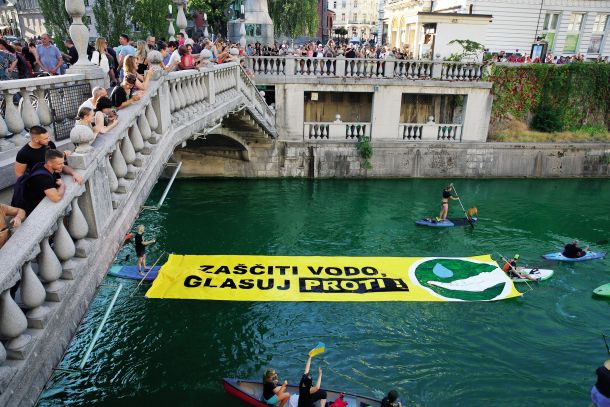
[393,160]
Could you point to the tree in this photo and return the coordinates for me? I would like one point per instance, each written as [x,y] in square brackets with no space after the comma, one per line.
[111,18]
[217,11]
[56,19]
[294,17]
[151,17]
[341,31]
[470,50]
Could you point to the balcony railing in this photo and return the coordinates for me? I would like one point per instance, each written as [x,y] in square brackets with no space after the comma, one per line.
[336,131]
[430,132]
[275,67]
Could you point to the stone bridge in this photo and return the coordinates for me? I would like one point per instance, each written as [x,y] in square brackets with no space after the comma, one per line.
[59,256]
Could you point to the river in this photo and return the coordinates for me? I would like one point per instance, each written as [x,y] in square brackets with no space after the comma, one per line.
[540,349]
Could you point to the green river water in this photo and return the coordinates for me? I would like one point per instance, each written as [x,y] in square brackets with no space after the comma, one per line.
[540,349]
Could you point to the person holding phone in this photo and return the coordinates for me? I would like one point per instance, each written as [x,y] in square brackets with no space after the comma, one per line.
[272,392]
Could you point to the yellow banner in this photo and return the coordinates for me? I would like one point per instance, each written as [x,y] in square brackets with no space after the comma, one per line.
[280,278]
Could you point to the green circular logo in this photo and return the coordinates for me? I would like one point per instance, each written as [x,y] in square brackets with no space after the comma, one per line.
[460,279]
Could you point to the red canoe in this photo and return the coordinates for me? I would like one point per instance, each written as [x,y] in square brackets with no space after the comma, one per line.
[250,391]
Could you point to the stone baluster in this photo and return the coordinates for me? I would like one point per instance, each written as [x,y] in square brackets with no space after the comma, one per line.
[146,134]
[129,154]
[49,270]
[28,113]
[138,144]
[112,179]
[4,143]
[32,297]
[153,122]
[172,103]
[13,119]
[13,324]
[43,110]
[189,94]
[64,248]
[181,96]
[78,228]
[181,17]
[176,95]
[119,166]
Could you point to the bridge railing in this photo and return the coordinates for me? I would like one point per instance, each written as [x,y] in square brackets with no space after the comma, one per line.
[51,102]
[271,67]
[50,257]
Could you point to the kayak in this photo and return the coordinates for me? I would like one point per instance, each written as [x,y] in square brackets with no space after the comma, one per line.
[538,274]
[447,223]
[603,290]
[131,272]
[560,257]
[250,391]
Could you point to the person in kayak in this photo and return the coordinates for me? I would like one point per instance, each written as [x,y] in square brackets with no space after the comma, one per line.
[510,268]
[600,392]
[447,194]
[391,400]
[272,393]
[572,251]
[309,394]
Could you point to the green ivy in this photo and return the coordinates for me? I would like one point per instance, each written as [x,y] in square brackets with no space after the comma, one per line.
[366,152]
[578,94]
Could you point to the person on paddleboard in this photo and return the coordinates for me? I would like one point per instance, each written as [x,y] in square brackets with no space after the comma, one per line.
[510,268]
[391,400]
[447,195]
[572,251]
[141,249]
[272,392]
[600,393]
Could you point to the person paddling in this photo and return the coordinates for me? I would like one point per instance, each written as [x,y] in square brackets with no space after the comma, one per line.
[447,194]
[511,269]
[141,249]
[572,251]
[600,393]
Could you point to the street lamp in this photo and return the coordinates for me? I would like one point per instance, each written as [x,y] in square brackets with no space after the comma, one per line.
[206,34]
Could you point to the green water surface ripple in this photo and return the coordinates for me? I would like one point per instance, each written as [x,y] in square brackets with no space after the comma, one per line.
[541,349]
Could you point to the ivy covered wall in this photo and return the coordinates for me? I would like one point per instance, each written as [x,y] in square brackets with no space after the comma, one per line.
[552,97]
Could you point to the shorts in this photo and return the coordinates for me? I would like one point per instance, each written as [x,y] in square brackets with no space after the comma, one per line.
[272,401]
[599,399]
[140,253]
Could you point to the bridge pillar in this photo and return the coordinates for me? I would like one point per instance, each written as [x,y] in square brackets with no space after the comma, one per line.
[386,112]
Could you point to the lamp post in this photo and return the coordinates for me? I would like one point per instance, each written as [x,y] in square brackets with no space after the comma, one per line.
[170,20]
[242,27]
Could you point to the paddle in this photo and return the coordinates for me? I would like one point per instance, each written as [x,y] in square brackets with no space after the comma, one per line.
[516,271]
[606,342]
[465,213]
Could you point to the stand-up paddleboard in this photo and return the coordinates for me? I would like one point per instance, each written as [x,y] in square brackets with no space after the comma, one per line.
[131,272]
[537,274]
[602,290]
[450,222]
[560,257]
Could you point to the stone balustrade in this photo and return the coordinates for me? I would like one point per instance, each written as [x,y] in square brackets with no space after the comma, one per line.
[430,132]
[295,66]
[335,131]
[53,263]
[33,107]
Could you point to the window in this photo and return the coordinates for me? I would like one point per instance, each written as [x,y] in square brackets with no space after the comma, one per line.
[549,28]
[573,35]
[355,4]
[355,17]
[335,4]
[342,16]
[343,4]
[597,37]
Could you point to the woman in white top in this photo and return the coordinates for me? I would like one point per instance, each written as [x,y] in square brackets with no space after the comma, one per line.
[105,119]
[100,59]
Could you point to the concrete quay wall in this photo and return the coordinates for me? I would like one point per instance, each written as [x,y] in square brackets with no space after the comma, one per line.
[391,159]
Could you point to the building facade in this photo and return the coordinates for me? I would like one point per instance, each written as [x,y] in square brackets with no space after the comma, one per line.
[9,19]
[569,26]
[31,21]
[358,17]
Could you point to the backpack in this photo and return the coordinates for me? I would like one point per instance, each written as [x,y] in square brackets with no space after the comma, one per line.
[19,199]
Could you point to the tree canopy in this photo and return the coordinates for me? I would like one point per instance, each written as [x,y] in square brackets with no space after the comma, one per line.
[111,18]
[150,16]
[56,19]
[294,17]
[217,11]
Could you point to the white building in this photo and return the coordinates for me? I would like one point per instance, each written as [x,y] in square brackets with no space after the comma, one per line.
[358,17]
[570,26]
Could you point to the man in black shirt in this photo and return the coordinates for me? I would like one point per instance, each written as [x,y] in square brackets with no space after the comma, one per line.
[122,95]
[34,152]
[72,52]
[572,251]
[48,183]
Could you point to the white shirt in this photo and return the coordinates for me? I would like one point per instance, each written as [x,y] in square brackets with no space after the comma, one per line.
[87,103]
[174,58]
